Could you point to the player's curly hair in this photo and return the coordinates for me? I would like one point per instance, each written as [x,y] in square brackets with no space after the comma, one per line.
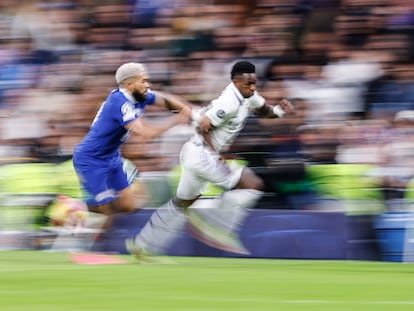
[241,67]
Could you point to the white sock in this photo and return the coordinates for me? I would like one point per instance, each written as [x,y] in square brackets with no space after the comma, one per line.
[229,212]
[164,226]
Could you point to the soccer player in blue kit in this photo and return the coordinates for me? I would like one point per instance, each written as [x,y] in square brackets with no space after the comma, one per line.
[97,158]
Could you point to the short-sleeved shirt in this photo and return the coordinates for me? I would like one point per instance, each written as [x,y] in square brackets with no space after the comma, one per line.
[97,159]
[107,132]
[228,114]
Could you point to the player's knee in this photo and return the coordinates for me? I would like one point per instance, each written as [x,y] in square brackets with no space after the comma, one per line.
[126,206]
[128,209]
[127,202]
[183,204]
[104,209]
[258,183]
[251,181]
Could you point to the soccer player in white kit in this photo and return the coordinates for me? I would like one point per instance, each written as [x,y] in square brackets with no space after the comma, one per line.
[218,124]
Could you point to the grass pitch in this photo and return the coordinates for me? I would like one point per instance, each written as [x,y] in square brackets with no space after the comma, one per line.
[47,281]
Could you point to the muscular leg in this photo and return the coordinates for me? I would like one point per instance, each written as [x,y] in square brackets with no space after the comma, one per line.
[167,221]
[125,203]
[219,225]
[164,226]
[249,180]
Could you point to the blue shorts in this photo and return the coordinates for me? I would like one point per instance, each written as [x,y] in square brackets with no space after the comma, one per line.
[102,180]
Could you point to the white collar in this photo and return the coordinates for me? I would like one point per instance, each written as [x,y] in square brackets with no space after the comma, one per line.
[127,95]
[236,92]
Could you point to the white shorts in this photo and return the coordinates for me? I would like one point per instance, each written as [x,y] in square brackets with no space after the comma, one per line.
[200,165]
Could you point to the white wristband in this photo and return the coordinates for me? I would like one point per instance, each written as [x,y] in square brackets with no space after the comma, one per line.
[196,114]
[278,111]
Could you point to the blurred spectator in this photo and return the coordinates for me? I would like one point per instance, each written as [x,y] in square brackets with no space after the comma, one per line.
[319,143]
[45,25]
[109,26]
[400,20]
[338,91]
[396,171]
[348,62]
[391,92]
[17,72]
[363,141]
[147,12]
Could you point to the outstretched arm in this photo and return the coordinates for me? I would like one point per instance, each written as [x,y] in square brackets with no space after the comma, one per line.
[182,114]
[173,102]
[146,131]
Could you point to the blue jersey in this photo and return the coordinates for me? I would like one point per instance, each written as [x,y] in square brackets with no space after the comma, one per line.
[108,132]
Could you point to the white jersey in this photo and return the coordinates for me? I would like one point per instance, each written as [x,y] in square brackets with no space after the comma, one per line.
[228,114]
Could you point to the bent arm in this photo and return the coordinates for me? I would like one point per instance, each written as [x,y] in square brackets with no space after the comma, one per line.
[204,129]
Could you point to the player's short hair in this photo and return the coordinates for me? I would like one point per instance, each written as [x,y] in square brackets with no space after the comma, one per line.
[241,67]
[128,70]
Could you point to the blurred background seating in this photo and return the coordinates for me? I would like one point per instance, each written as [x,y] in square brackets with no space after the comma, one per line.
[346,65]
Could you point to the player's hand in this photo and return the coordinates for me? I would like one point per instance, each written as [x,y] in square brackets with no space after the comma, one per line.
[286,105]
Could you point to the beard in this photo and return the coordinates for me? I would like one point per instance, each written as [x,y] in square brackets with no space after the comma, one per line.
[139,97]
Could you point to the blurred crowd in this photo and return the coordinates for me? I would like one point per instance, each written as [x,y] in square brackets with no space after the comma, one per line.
[347,65]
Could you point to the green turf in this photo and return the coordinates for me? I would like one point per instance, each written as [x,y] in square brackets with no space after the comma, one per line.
[43,281]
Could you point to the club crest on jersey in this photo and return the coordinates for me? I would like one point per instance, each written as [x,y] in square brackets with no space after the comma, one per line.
[220,113]
[129,112]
